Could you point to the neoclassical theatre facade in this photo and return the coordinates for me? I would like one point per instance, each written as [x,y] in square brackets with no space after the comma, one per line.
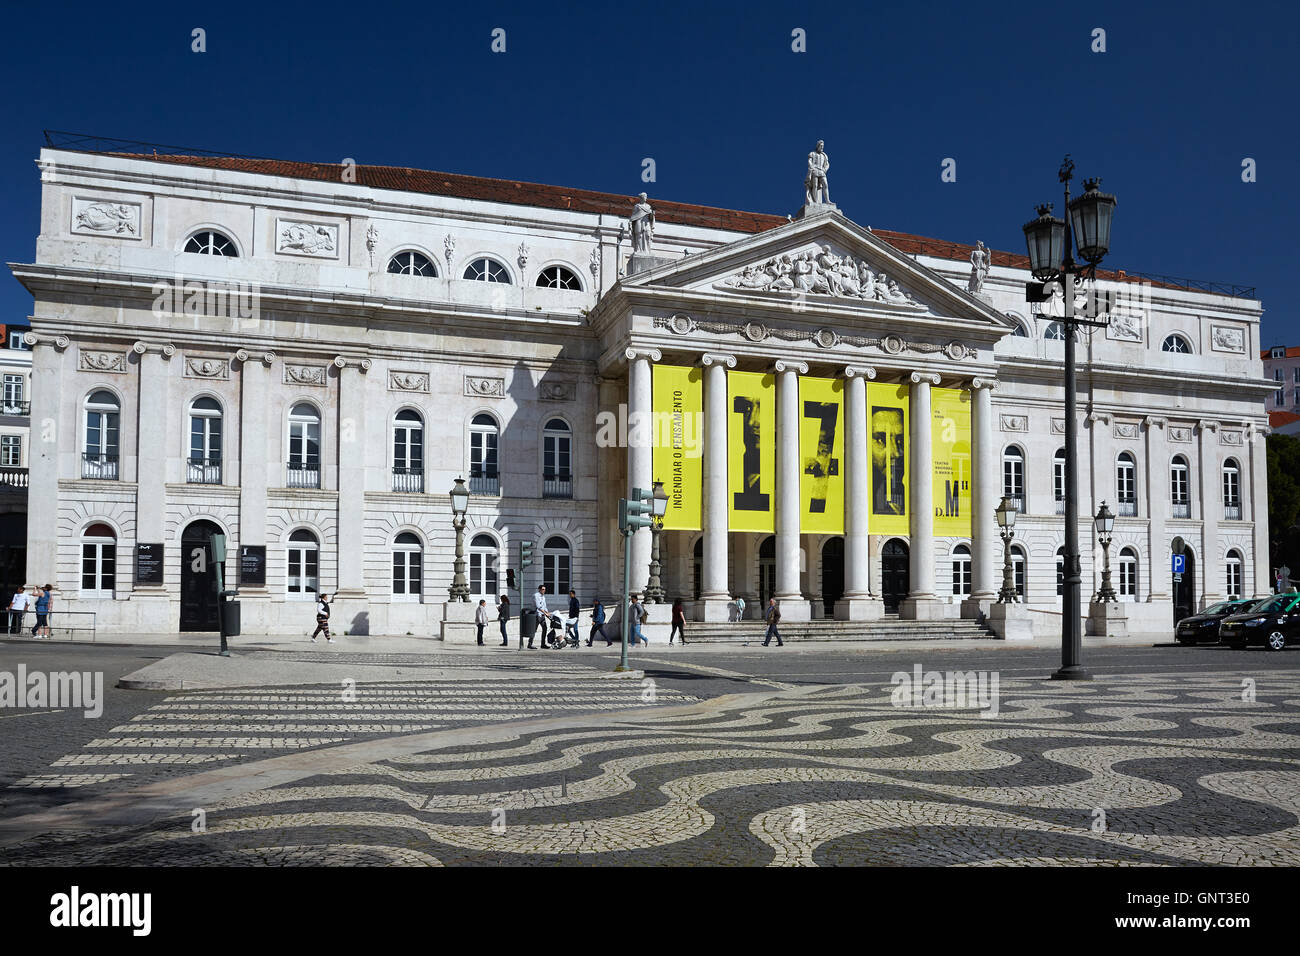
[305,357]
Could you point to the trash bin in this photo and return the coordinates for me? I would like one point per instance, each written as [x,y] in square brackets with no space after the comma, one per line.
[230,618]
[527,623]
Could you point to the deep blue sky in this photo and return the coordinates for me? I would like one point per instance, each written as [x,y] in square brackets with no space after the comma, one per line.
[714,94]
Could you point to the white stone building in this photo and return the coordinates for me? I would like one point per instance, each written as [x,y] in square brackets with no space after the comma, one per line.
[304,357]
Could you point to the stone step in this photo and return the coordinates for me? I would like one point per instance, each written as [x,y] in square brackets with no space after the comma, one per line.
[880,630]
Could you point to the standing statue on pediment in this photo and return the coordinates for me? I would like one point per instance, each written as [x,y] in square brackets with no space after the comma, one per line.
[642,222]
[979,267]
[817,189]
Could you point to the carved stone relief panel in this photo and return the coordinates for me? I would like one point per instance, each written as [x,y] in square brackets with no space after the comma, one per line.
[88,361]
[295,238]
[1227,338]
[408,381]
[1015,423]
[1127,429]
[120,220]
[304,374]
[484,387]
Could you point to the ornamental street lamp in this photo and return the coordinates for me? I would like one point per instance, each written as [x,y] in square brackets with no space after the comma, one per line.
[1105,522]
[1006,515]
[459,494]
[654,589]
[1052,263]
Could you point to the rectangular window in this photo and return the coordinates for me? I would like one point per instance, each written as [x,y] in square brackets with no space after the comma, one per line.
[1279,397]
[1296,376]
[1128,579]
[11,451]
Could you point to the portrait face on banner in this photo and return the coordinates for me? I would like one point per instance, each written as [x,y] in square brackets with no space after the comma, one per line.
[887,431]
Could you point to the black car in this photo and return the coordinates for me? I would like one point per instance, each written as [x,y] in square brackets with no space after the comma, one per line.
[1273,622]
[1204,627]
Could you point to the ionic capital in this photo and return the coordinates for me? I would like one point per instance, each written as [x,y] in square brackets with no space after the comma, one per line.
[787,365]
[928,378]
[718,358]
[860,371]
[650,355]
[977,383]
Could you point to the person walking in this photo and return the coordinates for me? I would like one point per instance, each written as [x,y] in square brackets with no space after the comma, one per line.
[43,601]
[571,625]
[598,624]
[740,609]
[636,616]
[543,617]
[503,617]
[773,619]
[17,608]
[679,622]
[323,619]
[481,619]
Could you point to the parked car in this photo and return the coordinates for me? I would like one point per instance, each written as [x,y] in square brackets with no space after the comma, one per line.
[1203,628]
[1273,622]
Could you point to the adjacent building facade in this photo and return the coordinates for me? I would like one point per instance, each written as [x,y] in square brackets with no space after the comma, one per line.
[304,358]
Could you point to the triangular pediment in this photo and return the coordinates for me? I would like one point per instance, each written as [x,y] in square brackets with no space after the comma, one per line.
[822,262]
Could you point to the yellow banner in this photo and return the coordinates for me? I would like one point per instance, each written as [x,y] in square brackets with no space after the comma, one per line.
[678,452]
[887,431]
[950,451]
[751,451]
[821,455]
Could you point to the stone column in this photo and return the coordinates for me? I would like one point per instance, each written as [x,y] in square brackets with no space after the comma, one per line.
[350,597]
[1211,499]
[921,602]
[788,594]
[1158,574]
[986,551]
[51,434]
[1255,436]
[715,592]
[640,438]
[255,469]
[152,431]
[1102,458]
[858,603]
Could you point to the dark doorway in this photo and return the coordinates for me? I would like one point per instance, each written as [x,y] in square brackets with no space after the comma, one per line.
[832,574]
[199,608]
[697,569]
[895,579]
[766,573]
[1185,590]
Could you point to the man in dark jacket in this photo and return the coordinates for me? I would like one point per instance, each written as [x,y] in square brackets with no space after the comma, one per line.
[598,624]
[571,625]
[773,618]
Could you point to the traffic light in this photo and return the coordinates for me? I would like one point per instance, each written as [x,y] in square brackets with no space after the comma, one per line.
[510,579]
[525,554]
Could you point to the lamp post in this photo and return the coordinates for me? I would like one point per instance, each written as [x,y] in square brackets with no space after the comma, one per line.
[654,589]
[459,494]
[1105,522]
[1006,514]
[1052,263]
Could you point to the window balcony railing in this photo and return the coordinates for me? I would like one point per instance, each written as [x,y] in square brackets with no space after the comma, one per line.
[16,408]
[302,475]
[1017,502]
[557,486]
[1182,509]
[101,467]
[13,477]
[1127,509]
[1232,512]
[488,484]
[203,471]
[409,480]
[1060,506]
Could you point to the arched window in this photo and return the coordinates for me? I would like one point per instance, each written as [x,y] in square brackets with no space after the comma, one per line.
[558,277]
[961,570]
[1126,484]
[408,451]
[99,459]
[98,561]
[1233,574]
[407,565]
[303,562]
[1231,490]
[412,263]
[557,454]
[1179,488]
[487,270]
[204,465]
[211,243]
[483,435]
[1019,331]
[1128,574]
[1058,480]
[1013,476]
[1055,332]
[1018,565]
[555,566]
[304,447]
[1176,343]
[1060,572]
[482,567]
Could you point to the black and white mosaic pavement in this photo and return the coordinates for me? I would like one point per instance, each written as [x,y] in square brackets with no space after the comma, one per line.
[1164,770]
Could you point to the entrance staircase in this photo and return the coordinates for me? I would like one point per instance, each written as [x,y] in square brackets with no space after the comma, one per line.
[888,628]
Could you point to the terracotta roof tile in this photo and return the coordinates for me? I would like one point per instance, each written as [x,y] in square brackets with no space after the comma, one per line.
[1278,419]
[1293,351]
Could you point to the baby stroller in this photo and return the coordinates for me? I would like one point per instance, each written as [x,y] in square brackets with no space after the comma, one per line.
[557,638]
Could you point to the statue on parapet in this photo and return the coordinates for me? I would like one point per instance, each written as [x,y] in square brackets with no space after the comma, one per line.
[817,190]
[642,222]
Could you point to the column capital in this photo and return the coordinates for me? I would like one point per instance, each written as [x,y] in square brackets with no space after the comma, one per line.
[1093,418]
[1208,425]
[788,365]
[1154,421]
[166,351]
[718,358]
[977,383]
[342,362]
[652,355]
[859,371]
[929,378]
[266,358]
[59,342]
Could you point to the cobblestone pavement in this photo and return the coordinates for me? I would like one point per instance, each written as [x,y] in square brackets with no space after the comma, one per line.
[1168,770]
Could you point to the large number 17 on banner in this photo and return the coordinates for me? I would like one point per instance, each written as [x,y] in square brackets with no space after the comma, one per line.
[821,455]
[751,451]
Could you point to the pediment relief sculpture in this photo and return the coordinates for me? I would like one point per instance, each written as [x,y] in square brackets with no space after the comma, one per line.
[821,272]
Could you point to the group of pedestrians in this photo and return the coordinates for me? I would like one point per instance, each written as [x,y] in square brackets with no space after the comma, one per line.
[41,601]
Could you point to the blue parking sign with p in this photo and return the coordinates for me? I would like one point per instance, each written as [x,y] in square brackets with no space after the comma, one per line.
[1178,563]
